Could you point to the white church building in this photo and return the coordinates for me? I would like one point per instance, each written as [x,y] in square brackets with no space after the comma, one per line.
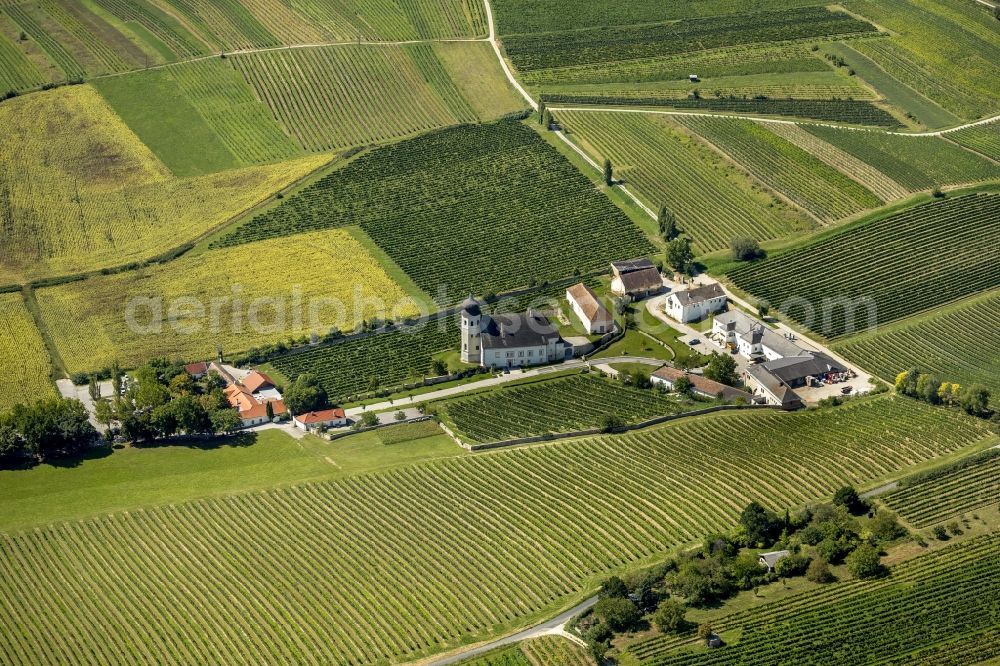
[509,340]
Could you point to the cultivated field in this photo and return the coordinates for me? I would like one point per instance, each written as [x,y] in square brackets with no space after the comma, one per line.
[984,139]
[916,162]
[959,343]
[198,117]
[949,50]
[67,39]
[342,96]
[81,192]
[546,651]
[494,208]
[613,44]
[553,406]
[784,167]
[663,165]
[936,609]
[24,361]
[257,287]
[398,564]
[926,256]
[933,497]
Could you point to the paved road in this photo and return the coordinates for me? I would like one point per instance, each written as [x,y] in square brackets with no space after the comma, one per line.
[554,627]
[575,364]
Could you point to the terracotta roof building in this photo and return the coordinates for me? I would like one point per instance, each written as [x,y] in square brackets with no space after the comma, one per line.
[700,385]
[588,307]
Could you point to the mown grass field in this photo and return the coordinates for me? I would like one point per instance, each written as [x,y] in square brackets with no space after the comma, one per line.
[949,50]
[24,360]
[664,165]
[82,192]
[466,547]
[198,117]
[567,404]
[958,342]
[959,488]
[784,167]
[926,256]
[107,481]
[494,208]
[935,609]
[233,298]
[341,96]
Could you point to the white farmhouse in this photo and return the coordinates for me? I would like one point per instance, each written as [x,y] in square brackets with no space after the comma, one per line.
[509,340]
[696,304]
[589,309]
[327,418]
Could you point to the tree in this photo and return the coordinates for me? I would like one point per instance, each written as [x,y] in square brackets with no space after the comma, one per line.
[669,617]
[11,444]
[792,565]
[305,395]
[906,382]
[864,562]
[683,385]
[679,254]
[975,400]
[763,308]
[400,416]
[541,113]
[116,379]
[547,119]
[700,580]
[94,389]
[104,412]
[226,421]
[612,423]
[439,368]
[618,613]
[368,420]
[928,387]
[885,527]
[609,174]
[613,587]
[53,428]
[847,497]
[667,223]
[722,368]
[746,571]
[181,384]
[819,571]
[705,631]
[744,248]
[758,522]
[269,410]
[191,416]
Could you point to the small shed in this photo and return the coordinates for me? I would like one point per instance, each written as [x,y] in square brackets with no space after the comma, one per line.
[693,78]
[770,559]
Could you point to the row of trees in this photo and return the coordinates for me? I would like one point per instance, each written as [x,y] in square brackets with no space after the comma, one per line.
[45,431]
[973,399]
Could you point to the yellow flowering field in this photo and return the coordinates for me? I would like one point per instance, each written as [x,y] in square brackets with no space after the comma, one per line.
[24,361]
[236,298]
[80,191]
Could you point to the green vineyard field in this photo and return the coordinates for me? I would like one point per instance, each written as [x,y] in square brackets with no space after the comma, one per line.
[341,96]
[16,71]
[884,270]
[784,167]
[665,166]
[859,112]
[612,44]
[958,343]
[469,194]
[917,162]
[558,405]
[984,139]
[394,565]
[936,496]
[940,608]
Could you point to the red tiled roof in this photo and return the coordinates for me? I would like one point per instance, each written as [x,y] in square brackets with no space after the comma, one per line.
[259,409]
[256,380]
[702,384]
[322,416]
[196,368]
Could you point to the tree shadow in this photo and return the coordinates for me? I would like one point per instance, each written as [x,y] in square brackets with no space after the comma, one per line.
[69,462]
[203,443]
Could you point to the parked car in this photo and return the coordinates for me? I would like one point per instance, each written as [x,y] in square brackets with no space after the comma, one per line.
[694,342]
[846,389]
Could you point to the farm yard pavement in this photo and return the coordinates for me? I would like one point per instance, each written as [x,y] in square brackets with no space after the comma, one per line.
[861,384]
[68,389]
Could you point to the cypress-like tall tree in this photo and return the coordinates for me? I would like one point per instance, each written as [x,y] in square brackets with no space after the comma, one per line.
[609,174]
